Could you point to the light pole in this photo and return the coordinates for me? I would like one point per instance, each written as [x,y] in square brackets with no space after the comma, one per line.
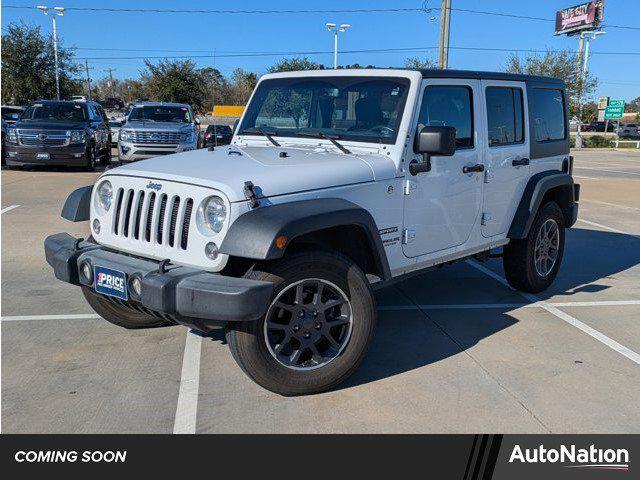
[332,27]
[57,12]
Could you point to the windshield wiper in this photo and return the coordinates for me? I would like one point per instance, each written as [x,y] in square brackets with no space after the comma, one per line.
[262,132]
[332,138]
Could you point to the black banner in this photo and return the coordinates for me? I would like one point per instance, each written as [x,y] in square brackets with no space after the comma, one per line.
[459,457]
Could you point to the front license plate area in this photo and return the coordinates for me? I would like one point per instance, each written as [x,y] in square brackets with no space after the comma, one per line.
[42,156]
[112,283]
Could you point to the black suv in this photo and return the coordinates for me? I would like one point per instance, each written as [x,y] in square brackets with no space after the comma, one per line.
[218,135]
[53,132]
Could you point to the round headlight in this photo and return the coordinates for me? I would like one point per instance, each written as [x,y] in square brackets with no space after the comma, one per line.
[214,213]
[104,195]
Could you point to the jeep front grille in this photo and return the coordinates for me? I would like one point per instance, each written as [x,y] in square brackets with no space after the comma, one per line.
[154,218]
[155,137]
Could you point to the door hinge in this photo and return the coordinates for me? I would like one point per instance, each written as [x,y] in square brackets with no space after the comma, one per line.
[409,186]
[408,235]
[486,218]
[488,176]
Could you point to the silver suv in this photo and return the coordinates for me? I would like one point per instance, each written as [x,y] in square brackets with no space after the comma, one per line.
[157,128]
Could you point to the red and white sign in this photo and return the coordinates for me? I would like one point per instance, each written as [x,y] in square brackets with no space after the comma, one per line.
[586,16]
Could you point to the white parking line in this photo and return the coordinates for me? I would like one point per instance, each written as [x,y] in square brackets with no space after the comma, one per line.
[481,306]
[598,202]
[81,316]
[607,170]
[383,308]
[8,209]
[609,342]
[604,227]
[187,409]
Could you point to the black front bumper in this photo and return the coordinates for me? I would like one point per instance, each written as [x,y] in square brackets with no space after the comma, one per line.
[182,294]
[70,155]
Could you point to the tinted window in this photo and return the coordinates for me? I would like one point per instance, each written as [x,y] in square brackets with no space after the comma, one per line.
[350,108]
[548,114]
[449,106]
[163,113]
[505,115]
[70,112]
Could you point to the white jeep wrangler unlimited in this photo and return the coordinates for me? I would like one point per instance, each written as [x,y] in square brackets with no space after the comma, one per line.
[336,182]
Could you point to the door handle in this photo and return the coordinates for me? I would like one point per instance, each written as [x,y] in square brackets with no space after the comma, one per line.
[521,162]
[475,168]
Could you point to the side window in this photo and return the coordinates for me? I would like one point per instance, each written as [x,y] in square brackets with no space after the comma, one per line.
[93,114]
[505,116]
[548,114]
[449,105]
[101,114]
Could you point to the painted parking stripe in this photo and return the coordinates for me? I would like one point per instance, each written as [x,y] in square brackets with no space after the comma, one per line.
[489,306]
[460,306]
[601,337]
[187,408]
[615,205]
[81,316]
[607,170]
[605,227]
[8,209]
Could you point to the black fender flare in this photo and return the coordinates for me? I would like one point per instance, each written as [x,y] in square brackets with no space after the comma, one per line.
[76,207]
[253,235]
[537,187]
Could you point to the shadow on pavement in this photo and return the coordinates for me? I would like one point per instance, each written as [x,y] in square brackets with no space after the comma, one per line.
[410,339]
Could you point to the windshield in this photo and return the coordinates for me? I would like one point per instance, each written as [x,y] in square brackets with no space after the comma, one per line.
[348,108]
[63,112]
[160,114]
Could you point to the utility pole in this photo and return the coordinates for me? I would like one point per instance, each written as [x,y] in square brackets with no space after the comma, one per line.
[86,67]
[57,12]
[110,70]
[445,24]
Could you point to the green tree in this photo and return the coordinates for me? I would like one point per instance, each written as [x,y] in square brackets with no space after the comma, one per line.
[563,65]
[238,88]
[418,63]
[633,105]
[175,81]
[28,66]
[294,64]
[589,112]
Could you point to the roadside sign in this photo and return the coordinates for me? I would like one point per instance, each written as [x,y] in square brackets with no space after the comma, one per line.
[616,103]
[612,113]
[603,102]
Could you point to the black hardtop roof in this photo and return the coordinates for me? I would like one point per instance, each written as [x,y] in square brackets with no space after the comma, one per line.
[514,77]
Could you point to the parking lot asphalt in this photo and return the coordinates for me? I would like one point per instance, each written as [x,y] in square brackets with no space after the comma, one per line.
[455,349]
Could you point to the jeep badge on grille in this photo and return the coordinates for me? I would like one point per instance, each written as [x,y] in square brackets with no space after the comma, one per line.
[154,186]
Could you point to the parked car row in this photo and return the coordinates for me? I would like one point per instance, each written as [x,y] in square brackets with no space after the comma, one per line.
[79,132]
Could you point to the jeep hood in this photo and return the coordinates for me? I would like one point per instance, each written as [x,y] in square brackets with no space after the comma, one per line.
[227,168]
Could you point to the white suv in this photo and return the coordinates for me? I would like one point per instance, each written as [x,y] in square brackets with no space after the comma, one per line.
[157,128]
[336,182]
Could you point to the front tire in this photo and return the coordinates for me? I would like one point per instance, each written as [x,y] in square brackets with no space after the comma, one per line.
[90,158]
[317,329]
[531,264]
[119,315]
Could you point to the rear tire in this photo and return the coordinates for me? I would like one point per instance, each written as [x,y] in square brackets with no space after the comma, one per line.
[320,363]
[105,159]
[531,264]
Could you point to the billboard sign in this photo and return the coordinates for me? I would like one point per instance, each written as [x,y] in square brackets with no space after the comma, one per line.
[586,16]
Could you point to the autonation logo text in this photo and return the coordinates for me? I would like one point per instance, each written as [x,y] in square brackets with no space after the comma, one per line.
[573,457]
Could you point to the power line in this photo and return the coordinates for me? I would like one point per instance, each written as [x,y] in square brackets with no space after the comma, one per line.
[423,9]
[325,52]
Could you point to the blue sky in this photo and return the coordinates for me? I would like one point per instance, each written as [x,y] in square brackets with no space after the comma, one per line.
[619,75]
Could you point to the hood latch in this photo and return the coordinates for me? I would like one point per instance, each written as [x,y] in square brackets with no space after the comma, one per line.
[250,194]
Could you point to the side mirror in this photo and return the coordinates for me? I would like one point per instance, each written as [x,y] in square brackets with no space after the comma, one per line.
[432,140]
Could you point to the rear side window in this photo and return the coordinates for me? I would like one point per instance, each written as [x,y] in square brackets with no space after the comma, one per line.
[505,116]
[548,114]
[451,106]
